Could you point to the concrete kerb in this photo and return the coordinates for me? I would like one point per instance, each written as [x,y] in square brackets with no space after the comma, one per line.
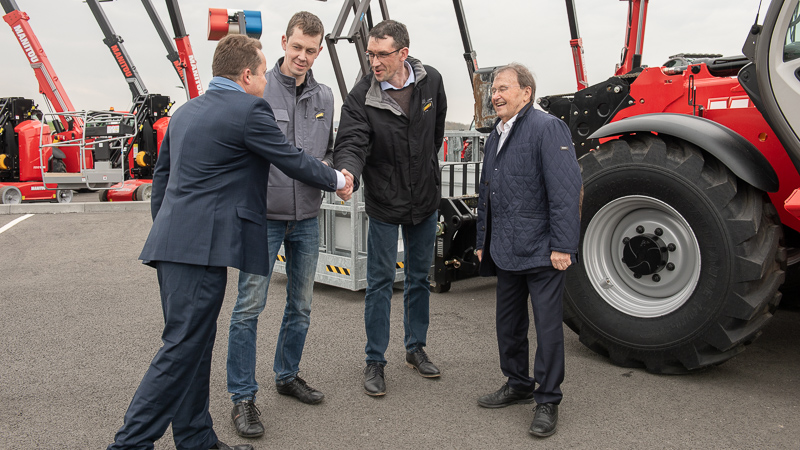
[62,208]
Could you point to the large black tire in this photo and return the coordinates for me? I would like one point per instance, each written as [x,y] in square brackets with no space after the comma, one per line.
[694,303]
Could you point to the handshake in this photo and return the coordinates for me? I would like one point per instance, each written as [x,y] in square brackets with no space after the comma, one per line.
[347,191]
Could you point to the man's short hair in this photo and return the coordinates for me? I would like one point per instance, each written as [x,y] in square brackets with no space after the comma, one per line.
[524,76]
[393,29]
[308,23]
[234,53]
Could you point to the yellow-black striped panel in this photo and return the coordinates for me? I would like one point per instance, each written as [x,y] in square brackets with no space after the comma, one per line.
[339,270]
[399,264]
[281,258]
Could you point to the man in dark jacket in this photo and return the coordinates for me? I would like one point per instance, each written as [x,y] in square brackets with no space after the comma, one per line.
[209,213]
[391,128]
[528,227]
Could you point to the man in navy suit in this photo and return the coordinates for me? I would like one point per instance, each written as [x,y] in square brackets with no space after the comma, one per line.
[209,213]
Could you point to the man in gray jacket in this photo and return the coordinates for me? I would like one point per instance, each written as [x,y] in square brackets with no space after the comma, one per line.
[304,111]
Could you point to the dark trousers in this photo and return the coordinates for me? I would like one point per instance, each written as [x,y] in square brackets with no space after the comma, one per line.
[175,387]
[544,286]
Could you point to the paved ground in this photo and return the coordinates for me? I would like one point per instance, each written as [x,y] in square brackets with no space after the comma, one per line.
[81,320]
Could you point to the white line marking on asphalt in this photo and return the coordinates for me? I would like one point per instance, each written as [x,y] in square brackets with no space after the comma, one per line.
[14,222]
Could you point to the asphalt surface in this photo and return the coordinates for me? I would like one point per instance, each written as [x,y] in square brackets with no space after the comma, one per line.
[81,319]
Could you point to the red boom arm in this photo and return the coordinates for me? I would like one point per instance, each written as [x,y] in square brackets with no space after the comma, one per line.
[634,37]
[49,84]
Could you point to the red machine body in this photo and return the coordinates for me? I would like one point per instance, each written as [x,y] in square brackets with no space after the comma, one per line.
[30,166]
[697,92]
[141,159]
[129,191]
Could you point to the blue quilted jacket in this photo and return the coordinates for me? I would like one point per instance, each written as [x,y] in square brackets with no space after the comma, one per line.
[529,195]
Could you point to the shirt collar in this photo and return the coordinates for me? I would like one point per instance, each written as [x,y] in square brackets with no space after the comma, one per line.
[385,85]
[505,127]
[222,83]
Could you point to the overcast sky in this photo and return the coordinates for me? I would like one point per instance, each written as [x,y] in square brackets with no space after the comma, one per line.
[533,32]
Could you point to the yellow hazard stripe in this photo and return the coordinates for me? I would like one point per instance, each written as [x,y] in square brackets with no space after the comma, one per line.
[339,270]
[399,265]
[281,258]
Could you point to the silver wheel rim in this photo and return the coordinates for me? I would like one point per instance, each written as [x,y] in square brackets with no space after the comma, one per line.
[64,195]
[615,282]
[147,192]
[12,196]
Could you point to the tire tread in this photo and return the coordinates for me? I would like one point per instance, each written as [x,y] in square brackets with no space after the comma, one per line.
[756,271]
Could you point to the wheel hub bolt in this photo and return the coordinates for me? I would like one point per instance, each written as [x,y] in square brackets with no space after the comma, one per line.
[636,275]
[626,240]
[640,229]
[656,277]
[659,231]
[671,247]
[670,266]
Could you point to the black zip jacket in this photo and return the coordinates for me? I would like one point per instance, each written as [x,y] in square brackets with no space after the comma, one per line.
[395,153]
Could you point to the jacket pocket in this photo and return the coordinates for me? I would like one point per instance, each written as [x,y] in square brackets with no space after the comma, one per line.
[282,117]
[252,216]
[530,230]
[380,181]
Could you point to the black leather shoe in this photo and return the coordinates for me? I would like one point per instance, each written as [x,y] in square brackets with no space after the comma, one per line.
[419,360]
[545,419]
[245,419]
[505,396]
[299,389]
[374,383]
[221,446]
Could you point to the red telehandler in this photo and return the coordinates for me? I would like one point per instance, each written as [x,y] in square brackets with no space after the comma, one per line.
[691,173]
[685,240]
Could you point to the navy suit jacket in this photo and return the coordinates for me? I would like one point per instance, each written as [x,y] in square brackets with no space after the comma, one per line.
[210,182]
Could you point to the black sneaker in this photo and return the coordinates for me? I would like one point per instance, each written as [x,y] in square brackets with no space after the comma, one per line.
[299,389]
[545,419]
[245,419]
[418,359]
[505,396]
[374,383]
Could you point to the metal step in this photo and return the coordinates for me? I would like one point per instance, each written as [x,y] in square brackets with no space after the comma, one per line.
[101,175]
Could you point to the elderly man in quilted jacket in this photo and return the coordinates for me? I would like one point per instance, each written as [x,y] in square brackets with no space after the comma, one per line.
[528,227]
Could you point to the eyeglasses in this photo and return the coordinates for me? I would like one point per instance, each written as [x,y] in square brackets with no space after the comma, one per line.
[502,89]
[380,55]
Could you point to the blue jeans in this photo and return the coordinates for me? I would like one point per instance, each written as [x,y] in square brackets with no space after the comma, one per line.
[301,242]
[418,242]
